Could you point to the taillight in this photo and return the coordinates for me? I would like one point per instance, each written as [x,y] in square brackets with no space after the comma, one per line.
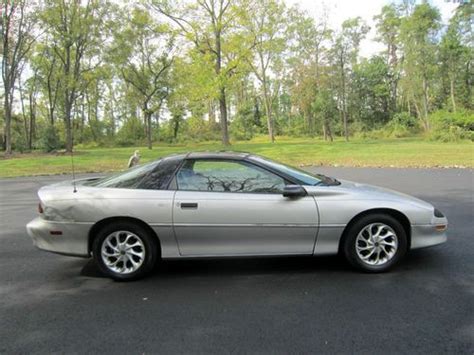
[40,208]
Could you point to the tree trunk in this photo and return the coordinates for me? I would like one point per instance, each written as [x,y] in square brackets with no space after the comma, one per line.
[222,94]
[268,112]
[212,112]
[148,129]
[8,120]
[176,122]
[223,112]
[343,100]
[32,121]
[23,111]
[425,104]
[68,124]
[327,130]
[453,101]
[344,114]
[310,124]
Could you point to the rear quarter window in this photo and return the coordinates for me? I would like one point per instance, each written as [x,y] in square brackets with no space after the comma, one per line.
[159,178]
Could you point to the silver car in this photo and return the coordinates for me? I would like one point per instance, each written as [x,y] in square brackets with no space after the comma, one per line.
[228,204]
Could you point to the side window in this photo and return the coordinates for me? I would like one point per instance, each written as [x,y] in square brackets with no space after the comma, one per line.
[159,178]
[227,176]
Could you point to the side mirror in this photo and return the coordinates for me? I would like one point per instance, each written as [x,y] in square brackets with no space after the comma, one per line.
[293,191]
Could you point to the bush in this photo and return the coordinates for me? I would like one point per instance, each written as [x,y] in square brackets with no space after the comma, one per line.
[406,120]
[49,141]
[132,132]
[448,126]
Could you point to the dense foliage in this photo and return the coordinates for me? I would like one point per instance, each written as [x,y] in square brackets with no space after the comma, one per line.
[106,73]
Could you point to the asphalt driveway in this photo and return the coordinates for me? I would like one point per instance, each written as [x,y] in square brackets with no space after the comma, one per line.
[56,304]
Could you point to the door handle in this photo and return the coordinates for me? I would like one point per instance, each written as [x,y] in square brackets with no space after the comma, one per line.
[189,205]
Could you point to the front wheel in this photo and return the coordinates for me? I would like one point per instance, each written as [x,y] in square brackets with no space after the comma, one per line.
[125,251]
[375,243]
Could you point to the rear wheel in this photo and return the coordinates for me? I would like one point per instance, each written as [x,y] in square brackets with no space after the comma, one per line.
[375,243]
[125,251]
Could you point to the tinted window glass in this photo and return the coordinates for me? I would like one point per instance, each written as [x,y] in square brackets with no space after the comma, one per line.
[301,175]
[227,176]
[159,178]
[128,179]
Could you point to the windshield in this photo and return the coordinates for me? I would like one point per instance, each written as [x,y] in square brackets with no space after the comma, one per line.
[128,179]
[301,175]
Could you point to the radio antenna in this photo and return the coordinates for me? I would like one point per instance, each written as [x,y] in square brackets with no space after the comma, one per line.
[72,165]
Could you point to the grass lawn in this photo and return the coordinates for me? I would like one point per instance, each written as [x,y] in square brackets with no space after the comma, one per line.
[410,152]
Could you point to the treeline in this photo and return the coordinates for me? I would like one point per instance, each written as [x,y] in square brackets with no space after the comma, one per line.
[108,73]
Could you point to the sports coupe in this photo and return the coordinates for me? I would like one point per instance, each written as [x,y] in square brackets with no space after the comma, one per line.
[228,204]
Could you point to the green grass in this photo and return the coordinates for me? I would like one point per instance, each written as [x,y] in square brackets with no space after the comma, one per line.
[410,152]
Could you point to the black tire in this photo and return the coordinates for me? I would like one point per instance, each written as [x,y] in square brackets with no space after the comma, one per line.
[349,242]
[150,244]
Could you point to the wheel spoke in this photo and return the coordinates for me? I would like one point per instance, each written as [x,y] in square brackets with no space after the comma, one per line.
[388,243]
[111,246]
[368,247]
[384,248]
[131,246]
[386,235]
[379,230]
[136,253]
[366,257]
[114,252]
[377,257]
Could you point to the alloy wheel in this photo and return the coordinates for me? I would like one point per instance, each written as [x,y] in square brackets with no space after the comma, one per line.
[376,244]
[123,252]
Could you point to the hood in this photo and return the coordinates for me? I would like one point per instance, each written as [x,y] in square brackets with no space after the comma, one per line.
[354,190]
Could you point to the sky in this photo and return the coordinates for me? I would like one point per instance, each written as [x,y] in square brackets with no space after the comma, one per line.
[340,10]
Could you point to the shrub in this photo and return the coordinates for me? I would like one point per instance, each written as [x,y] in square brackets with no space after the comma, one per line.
[451,126]
[406,120]
[49,141]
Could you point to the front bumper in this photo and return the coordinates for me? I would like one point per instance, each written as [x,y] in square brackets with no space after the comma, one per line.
[73,239]
[423,236]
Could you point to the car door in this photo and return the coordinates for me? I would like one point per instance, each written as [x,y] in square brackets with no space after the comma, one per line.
[233,207]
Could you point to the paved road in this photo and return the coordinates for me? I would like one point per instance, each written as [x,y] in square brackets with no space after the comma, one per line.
[50,303]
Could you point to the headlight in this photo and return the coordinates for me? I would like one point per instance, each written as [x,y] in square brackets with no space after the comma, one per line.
[438,213]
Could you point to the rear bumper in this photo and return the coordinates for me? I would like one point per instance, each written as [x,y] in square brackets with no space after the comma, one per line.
[73,239]
[423,236]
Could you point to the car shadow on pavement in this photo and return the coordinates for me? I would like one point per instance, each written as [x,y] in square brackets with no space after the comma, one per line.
[427,259]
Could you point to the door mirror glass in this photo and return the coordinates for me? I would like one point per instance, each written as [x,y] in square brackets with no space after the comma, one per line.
[294,191]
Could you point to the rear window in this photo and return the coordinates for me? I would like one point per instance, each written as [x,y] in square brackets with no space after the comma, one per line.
[152,176]
[128,179]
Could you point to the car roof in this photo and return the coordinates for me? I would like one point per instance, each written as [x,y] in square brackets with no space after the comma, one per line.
[217,155]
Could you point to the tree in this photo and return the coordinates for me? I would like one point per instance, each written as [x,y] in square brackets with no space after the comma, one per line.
[17,40]
[307,62]
[208,24]
[29,91]
[143,53]
[325,108]
[344,54]
[418,35]
[388,28]
[456,52]
[74,29]
[371,92]
[267,28]
[46,64]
